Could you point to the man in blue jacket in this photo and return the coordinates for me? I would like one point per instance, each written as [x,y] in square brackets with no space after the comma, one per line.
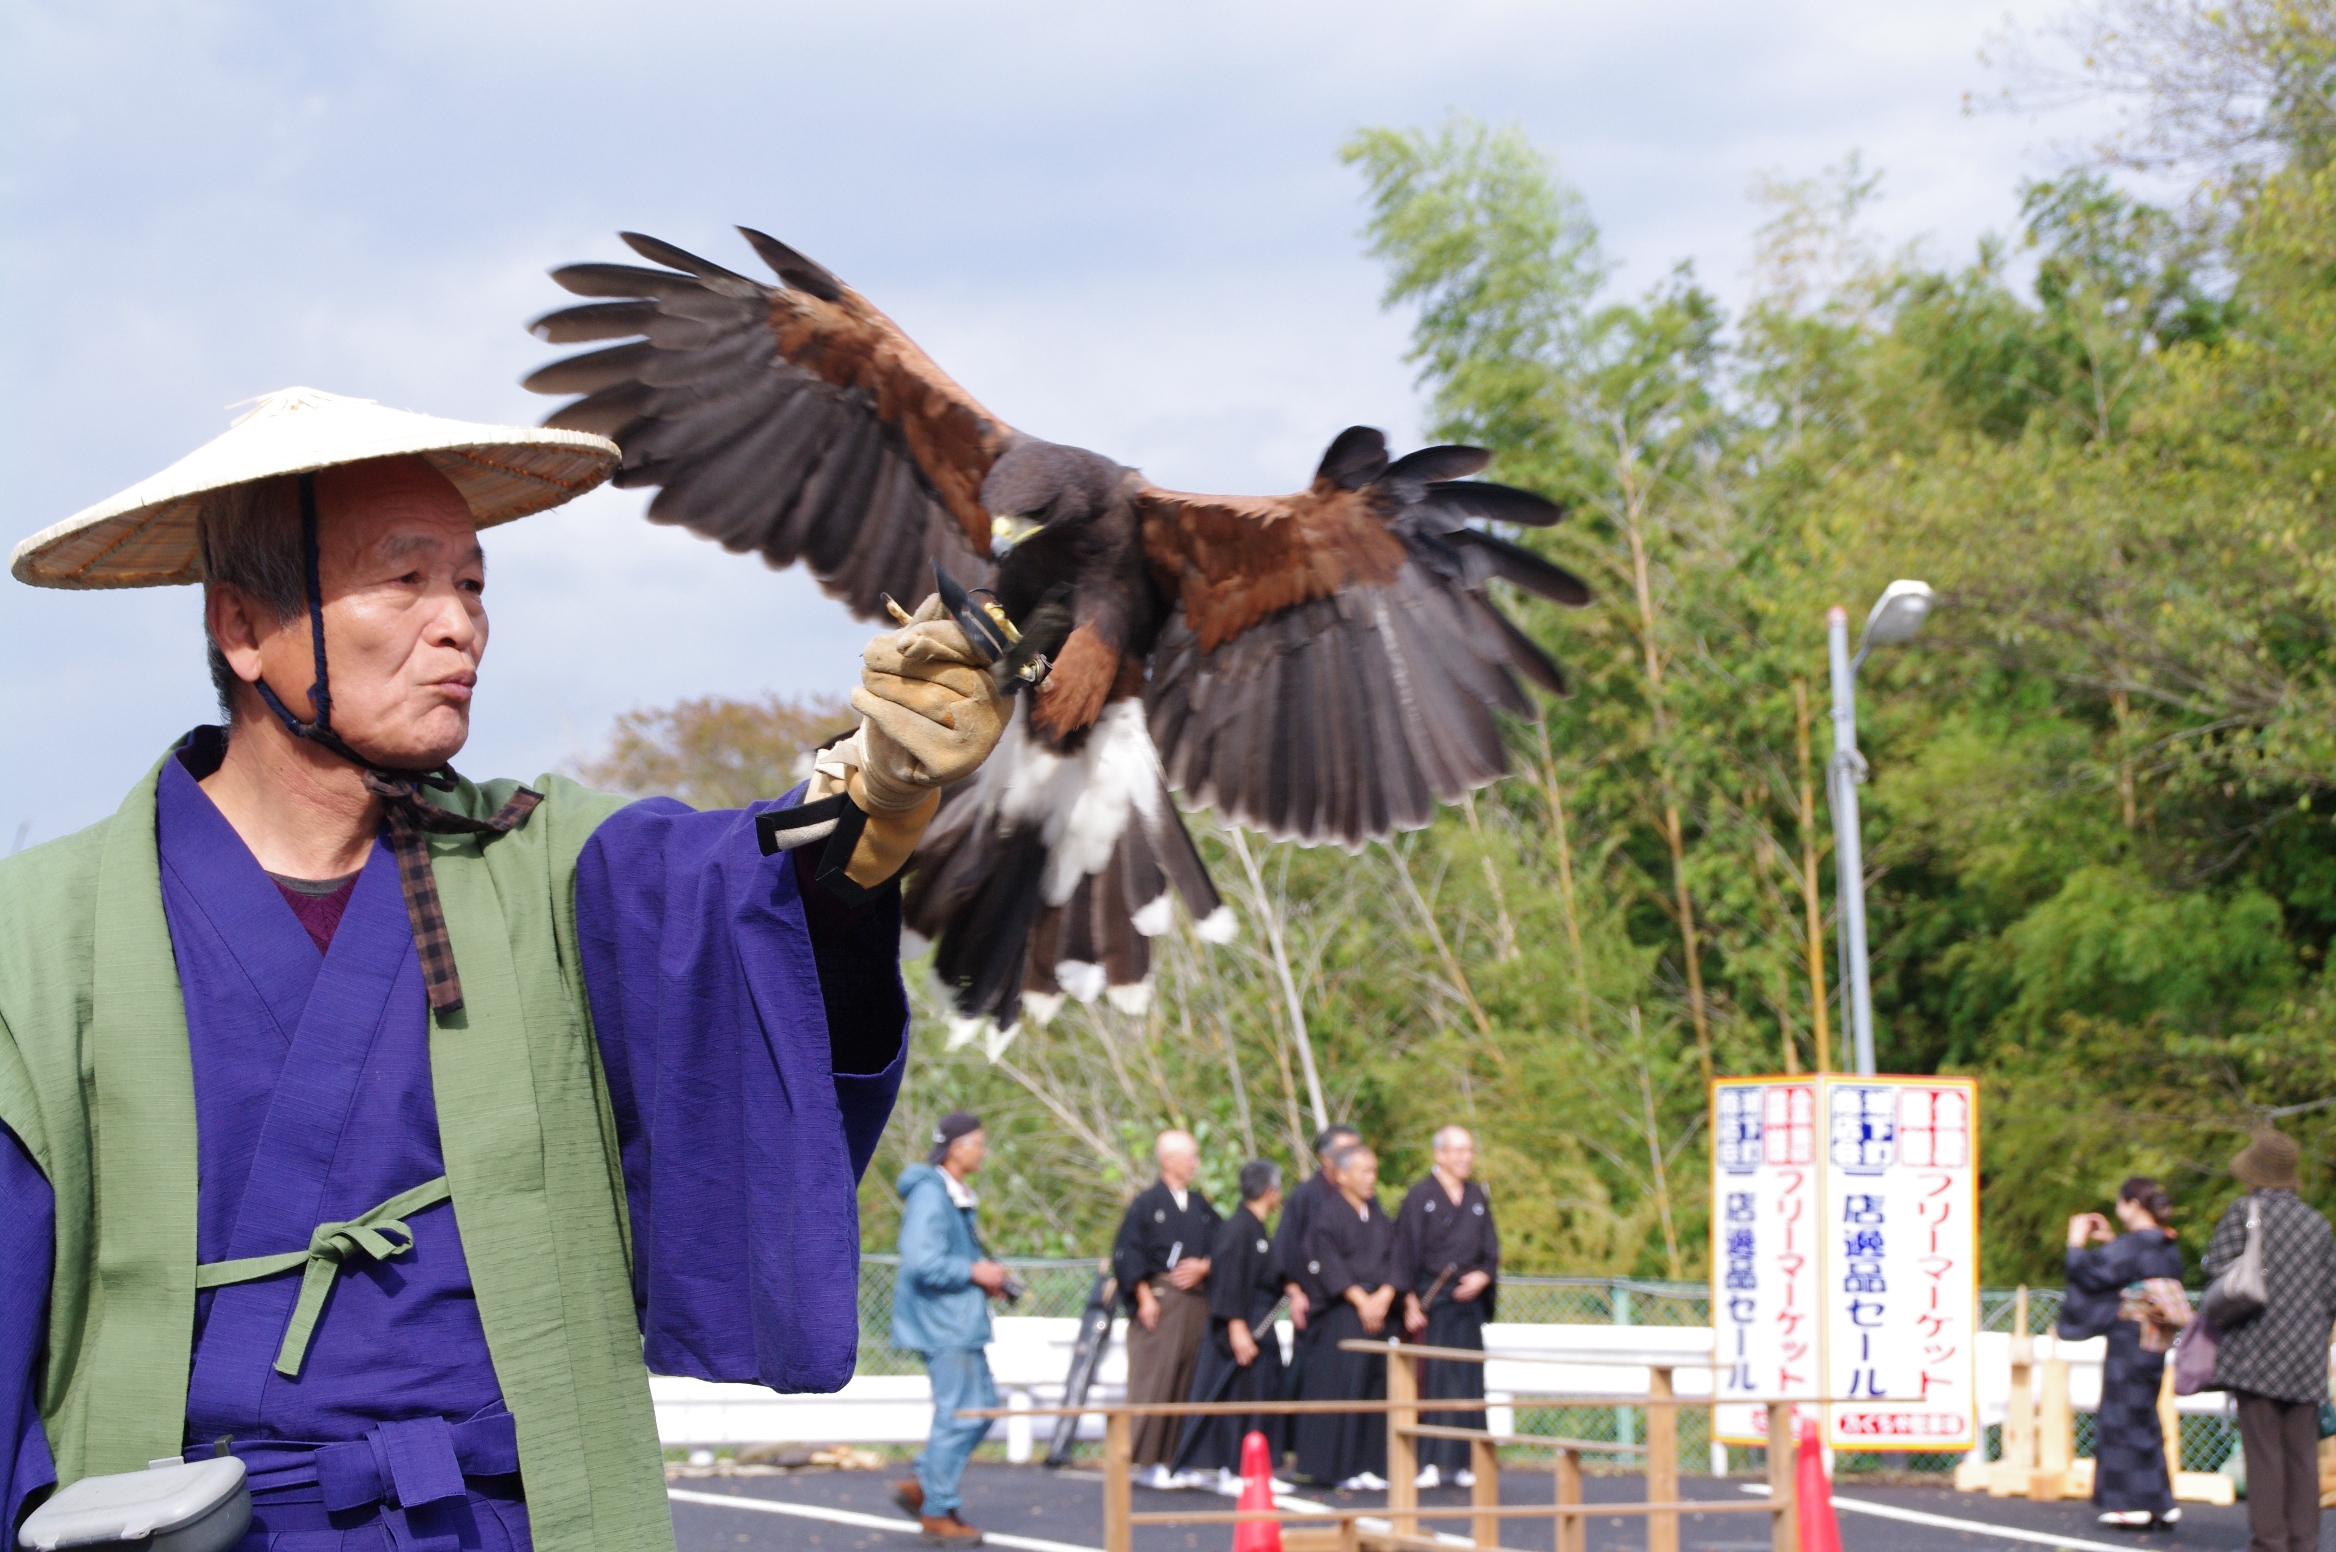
[940,1311]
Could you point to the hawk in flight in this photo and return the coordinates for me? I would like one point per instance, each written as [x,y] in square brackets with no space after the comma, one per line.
[1320,666]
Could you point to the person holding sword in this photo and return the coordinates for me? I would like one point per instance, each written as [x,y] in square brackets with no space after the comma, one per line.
[1162,1259]
[1242,1358]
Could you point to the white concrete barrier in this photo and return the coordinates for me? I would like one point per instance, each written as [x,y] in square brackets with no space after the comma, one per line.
[2084,1375]
[1030,1355]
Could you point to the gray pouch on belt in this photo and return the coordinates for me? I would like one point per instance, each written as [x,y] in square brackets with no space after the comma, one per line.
[171,1506]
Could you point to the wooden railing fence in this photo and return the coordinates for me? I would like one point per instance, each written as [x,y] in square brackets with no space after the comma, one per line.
[1396,1528]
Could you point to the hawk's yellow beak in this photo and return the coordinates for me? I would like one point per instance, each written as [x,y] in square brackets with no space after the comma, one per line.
[1007,530]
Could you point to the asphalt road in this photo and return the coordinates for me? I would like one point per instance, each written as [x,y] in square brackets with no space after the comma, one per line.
[1029,1509]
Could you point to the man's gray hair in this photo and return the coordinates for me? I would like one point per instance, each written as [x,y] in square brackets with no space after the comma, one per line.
[249,536]
[1348,1154]
[1446,1136]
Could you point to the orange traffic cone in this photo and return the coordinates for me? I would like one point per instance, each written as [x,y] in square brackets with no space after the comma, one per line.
[1820,1532]
[1256,1493]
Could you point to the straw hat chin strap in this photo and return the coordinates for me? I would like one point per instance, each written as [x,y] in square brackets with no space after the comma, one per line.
[410,818]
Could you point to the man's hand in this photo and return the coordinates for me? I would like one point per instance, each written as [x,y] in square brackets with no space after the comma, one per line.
[1243,1344]
[1298,1306]
[989,1277]
[1189,1273]
[1470,1285]
[933,712]
[930,714]
[1414,1319]
[1372,1307]
[1147,1306]
[2080,1229]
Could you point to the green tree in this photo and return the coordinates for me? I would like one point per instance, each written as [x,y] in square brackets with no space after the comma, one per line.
[716,752]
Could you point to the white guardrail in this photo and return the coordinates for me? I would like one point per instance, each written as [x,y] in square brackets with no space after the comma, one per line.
[1029,1356]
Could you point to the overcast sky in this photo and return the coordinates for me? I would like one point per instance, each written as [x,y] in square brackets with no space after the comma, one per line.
[1121,226]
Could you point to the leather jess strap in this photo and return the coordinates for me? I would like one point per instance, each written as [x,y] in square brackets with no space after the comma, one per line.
[376,1235]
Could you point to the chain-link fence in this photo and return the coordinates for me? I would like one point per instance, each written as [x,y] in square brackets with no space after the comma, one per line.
[1060,1288]
[1056,1288]
[1997,1307]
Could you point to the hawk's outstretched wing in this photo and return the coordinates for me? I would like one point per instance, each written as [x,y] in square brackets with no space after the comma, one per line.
[793,420]
[1334,661]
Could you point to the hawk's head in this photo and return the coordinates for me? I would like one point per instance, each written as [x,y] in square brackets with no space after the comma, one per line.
[1037,485]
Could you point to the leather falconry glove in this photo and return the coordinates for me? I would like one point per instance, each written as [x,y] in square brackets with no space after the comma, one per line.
[930,714]
[931,707]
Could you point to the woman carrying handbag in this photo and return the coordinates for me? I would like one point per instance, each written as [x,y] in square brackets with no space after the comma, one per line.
[2274,1363]
[2129,1290]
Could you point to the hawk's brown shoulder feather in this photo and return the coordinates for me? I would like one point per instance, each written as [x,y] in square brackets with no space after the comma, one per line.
[1232,561]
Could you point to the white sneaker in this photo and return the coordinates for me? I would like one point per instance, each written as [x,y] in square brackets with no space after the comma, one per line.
[1155,1477]
[2134,1519]
[1463,1477]
[1429,1476]
[1364,1482]
[2170,1517]
[1229,1483]
[1207,1479]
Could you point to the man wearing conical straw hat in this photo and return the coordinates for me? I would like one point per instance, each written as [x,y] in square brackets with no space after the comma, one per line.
[379,1123]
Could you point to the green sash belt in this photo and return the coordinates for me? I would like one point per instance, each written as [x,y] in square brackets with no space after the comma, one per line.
[378,1235]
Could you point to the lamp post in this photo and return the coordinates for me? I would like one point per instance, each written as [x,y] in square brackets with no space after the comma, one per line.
[1896,616]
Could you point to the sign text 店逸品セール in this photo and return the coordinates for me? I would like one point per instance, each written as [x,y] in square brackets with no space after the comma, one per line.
[1845,1247]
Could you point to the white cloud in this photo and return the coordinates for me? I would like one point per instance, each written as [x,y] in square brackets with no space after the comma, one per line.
[1121,226]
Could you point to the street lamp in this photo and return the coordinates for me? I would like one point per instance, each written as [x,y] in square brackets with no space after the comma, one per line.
[1896,616]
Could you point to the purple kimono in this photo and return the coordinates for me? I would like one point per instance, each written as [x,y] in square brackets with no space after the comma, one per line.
[753,1034]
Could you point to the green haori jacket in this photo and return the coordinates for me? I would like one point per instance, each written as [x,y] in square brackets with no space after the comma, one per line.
[97,1081]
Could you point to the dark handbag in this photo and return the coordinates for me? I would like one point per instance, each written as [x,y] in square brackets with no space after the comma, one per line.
[2238,1296]
[2193,1359]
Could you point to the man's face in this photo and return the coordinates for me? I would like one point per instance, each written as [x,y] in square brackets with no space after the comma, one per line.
[1359,1176]
[1179,1159]
[966,1153]
[404,618]
[1457,1157]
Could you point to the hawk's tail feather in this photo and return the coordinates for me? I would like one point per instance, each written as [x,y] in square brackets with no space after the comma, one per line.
[993,884]
[980,949]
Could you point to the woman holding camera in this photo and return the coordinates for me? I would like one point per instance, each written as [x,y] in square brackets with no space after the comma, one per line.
[2129,1290]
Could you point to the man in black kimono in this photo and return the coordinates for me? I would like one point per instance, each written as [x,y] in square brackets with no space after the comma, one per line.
[1302,1287]
[1447,1261]
[1162,1260]
[1242,1358]
[1349,1250]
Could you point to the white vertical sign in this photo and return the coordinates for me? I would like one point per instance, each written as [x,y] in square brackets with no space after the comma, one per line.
[1766,1248]
[1845,1255]
[1902,1285]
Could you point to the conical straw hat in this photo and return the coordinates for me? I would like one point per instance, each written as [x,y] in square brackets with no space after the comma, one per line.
[145,537]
